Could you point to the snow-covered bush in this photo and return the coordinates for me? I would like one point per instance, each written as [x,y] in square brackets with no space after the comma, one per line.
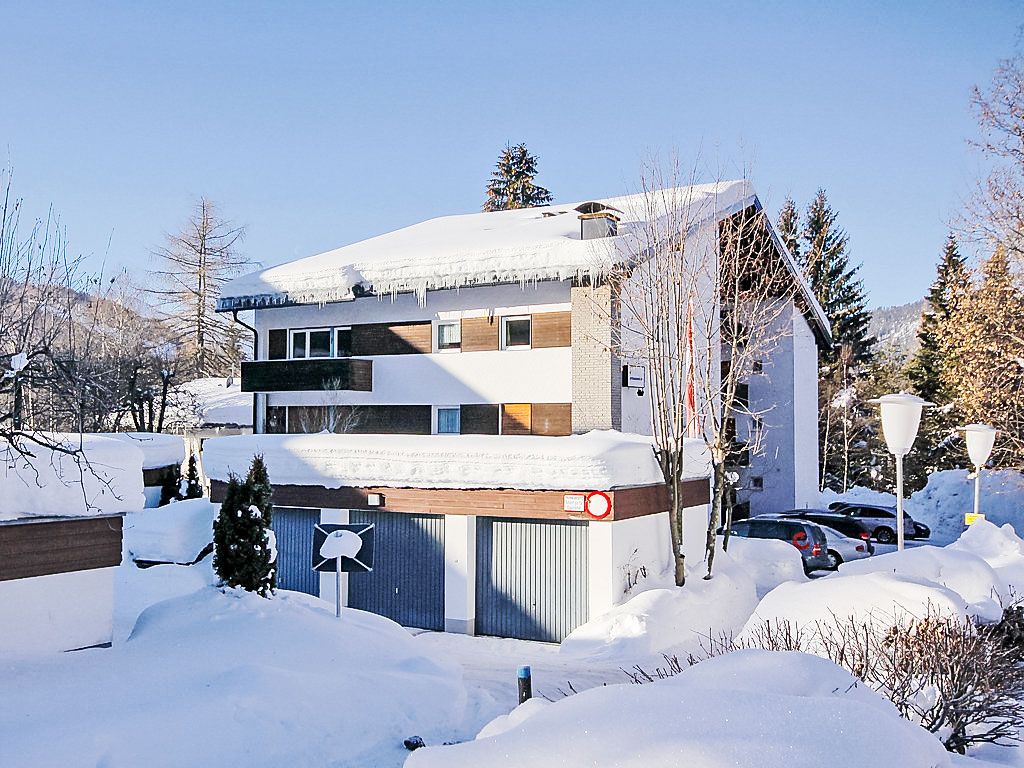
[245,551]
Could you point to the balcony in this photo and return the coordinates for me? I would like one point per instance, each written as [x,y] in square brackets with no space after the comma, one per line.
[308,375]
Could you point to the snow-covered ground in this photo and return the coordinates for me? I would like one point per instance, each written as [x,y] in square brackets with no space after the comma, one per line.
[174,533]
[201,676]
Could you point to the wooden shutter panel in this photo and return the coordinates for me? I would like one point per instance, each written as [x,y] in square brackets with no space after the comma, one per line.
[479,334]
[478,419]
[516,419]
[551,419]
[552,329]
[391,338]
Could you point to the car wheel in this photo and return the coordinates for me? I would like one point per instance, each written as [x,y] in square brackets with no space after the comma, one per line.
[885,535]
[834,560]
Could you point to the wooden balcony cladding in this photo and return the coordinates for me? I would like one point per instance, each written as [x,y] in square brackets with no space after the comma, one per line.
[552,329]
[516,418]
[317,375]
[478,419]
[552,419]
[61,546]
[627,503]
[391,338]
[480,334]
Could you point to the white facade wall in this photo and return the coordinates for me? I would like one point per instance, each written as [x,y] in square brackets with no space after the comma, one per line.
[618,550]
[59,612]
[443,378]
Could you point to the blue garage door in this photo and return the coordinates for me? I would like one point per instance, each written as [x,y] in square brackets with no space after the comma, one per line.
[531,578]
[407,581]
[293,528]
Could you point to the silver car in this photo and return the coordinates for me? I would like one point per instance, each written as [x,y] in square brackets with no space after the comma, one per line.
[880,520]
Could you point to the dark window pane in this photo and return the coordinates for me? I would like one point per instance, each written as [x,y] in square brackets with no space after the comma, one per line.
[319,343]
[343,343]
[275,420]
[277,344]
[517,333]
[299,344]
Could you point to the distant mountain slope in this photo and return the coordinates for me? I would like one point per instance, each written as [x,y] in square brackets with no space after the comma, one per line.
[897,326]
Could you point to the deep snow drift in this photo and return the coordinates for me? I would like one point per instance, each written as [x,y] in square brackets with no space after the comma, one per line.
[747,708]
[174,533]
[231,679]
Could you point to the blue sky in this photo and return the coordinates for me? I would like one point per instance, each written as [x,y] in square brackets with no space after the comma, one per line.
[320,124]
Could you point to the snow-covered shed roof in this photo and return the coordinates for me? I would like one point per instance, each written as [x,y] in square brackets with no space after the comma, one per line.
[212,402]
[518,246]
[158,449]
[102,477]
[594,461]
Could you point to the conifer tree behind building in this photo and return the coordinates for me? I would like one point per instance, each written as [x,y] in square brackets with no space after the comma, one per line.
[511,185]
[193,486]
[245,550]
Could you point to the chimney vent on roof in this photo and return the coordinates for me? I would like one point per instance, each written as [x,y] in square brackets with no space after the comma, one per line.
[597,220]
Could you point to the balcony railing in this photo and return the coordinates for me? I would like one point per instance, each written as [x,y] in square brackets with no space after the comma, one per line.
[308,375]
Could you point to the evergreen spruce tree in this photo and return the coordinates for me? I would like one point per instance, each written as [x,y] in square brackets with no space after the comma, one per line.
[193,487]
[170,485]
[789,227]
[244,546]
[511,185]
[835,284]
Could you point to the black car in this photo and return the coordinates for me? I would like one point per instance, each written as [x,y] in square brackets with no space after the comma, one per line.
[881,519]
[805,536]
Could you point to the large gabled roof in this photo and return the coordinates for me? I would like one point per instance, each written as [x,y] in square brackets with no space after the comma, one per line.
[519,246]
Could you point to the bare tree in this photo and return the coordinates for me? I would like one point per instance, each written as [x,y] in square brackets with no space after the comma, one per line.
[703,294]
[197,262]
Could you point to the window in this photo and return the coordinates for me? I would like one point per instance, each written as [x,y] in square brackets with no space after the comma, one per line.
[311,343]
[757,483]
[515,332]
[758,366]
[448,421]
[449,336]
[343,342]
[277,344]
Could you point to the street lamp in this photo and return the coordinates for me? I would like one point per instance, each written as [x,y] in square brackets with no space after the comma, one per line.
[980,439]
[901,416]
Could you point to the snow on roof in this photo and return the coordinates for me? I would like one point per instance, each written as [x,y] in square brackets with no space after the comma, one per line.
[158,449]
[212,402]
[595,461]
[104,478]
[524,245]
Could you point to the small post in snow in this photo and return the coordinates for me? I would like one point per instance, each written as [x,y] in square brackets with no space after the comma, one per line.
[337,587]
[525,683]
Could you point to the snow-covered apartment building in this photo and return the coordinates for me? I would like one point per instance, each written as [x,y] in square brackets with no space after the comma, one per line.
[473,344]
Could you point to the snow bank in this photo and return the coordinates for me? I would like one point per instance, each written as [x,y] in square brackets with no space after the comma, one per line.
[1001,548]
[769,562]
[961,571]
[741,710]
[877,598]
[676,620]
[232,679]
[158,449]
[595,461]
[212,402]
[949,494]
[104,478]
[174,533]
[522,246]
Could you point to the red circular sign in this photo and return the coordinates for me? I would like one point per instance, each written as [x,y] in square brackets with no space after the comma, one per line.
[598,504]
[800,540]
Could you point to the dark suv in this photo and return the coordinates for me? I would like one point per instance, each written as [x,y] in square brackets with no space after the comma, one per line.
[805,536]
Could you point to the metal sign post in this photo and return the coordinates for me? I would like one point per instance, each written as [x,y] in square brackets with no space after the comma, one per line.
[342,548]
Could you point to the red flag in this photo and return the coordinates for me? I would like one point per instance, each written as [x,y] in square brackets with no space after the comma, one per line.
[692,429]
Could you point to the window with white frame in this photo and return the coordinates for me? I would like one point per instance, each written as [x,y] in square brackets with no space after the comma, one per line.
[449,336]
[516,332]
[343,342]
[448,421]
[311,342]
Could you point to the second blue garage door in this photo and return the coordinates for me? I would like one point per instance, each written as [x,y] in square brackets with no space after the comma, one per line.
[407,582]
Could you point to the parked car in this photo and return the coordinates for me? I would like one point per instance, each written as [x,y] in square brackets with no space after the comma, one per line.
[879,518]
[805,536]
[847,525]
[842,548]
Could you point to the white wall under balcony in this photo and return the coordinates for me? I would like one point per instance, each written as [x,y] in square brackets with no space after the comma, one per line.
[505,376]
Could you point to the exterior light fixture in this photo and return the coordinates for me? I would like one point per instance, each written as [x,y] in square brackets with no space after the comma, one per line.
[980,439]
[901,417]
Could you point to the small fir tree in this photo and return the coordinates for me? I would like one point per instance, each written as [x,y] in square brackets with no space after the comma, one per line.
[244,545]
[170,486]
[193,487]
[511,185]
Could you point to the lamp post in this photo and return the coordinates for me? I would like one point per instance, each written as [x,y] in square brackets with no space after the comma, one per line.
[901,416]
[980,439]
